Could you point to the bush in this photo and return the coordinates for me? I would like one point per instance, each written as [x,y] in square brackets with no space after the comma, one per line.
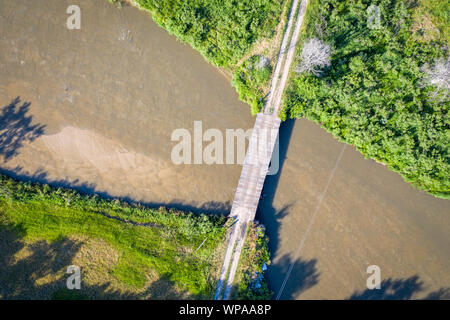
[249,80]
[255,258]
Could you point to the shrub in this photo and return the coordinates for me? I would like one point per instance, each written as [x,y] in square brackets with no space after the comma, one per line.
[438,76]
[249,80]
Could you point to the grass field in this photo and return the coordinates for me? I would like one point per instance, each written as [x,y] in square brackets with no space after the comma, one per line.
[430,15]
[43,230]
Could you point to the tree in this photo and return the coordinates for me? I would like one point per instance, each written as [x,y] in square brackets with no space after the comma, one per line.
[438,76]
[315,56]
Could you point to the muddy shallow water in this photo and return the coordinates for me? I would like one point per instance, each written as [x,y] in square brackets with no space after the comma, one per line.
[96,111]
[127,84]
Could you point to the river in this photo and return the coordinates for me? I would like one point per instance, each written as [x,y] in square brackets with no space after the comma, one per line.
[95,109]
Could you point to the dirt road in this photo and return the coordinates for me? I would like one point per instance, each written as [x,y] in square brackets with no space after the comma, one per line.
[259,154]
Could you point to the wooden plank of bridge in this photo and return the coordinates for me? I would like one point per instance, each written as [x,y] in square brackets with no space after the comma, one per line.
[259,153]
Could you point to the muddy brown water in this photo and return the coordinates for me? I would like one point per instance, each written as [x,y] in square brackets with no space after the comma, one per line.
[96,111]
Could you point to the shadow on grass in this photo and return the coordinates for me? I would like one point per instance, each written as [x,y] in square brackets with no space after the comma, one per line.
[37,270]
[26,269]
[157,290]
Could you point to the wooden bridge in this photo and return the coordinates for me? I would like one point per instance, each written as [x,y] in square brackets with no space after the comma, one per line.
[259,153]
[248,192]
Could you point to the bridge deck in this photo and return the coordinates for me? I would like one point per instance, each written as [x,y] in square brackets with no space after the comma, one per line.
[256,165]
[259,153]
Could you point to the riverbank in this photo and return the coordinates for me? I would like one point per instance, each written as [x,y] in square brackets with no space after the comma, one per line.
[395,116]
[374,94]
[123,250]
[243,38]
[76,89]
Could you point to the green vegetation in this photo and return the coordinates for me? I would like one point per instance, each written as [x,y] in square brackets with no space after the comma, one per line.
[221,30]
[249,80]
[164,242]
[372,96]
[251,284]
[439,14]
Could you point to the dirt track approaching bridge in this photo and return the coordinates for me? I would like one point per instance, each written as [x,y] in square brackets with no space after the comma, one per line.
[259,153]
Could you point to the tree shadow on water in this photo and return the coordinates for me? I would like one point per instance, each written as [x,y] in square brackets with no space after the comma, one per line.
[88,188]
[303,274]
[16,128]
[400,289]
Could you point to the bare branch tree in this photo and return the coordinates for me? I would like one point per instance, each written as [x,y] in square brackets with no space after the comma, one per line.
[315,56]
[262,62]
[438,76]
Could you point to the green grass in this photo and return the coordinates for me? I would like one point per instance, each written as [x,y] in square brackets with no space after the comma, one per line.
[130,273]
[439,13]
[39,212]
[371,96]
